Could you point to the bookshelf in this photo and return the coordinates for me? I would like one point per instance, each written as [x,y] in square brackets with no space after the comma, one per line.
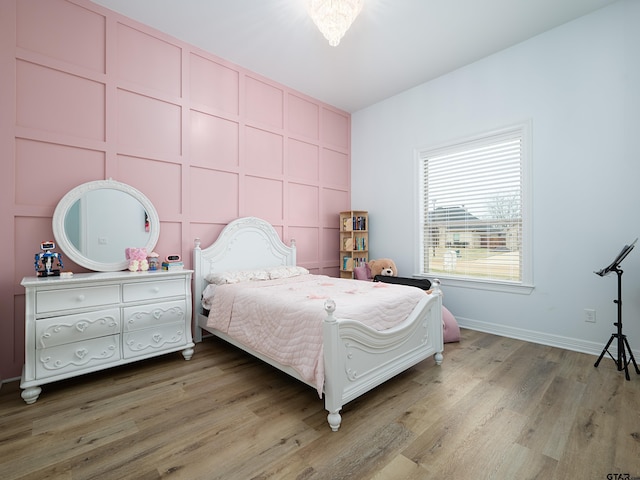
[354,241]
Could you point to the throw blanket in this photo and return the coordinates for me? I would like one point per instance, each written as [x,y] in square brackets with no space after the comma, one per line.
[283,318]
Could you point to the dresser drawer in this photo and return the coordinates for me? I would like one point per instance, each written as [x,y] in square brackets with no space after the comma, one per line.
[72,298]
[145,316]
[134,292]
[73,328]
[76,357]
[156,339]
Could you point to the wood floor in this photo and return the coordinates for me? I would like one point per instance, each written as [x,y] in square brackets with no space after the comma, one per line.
[496,409]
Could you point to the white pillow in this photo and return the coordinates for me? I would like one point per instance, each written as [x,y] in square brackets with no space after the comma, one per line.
[286,272]
[236,276]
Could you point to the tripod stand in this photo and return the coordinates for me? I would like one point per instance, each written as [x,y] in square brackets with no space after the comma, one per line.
[623,345]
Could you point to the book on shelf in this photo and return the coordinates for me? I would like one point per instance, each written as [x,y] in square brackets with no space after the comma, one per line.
[359,222]
[355,222]
[347,263]
[360,244]
[360,262]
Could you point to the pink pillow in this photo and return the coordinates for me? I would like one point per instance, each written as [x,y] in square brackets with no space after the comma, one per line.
[451,328]
[362,273]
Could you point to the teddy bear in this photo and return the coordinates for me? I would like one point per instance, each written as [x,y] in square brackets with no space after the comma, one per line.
[383,266]
[137,259]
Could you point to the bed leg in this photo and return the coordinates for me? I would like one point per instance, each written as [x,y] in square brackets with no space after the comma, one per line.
[332,371]
[435,284]
[334,419]
[438,357]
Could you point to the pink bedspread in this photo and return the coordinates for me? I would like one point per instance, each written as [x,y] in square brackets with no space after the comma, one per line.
[282,319]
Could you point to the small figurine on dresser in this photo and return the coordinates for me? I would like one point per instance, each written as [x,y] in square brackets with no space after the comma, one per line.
[154,261]
[47,258]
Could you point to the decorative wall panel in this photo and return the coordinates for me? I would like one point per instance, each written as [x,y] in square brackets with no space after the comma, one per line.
[304,118]
[214,85]
[335,128]
[263,198]
[213,196]
[303,160]
[307,246]
[89,94]
[303,205]
[335,169]
[149,61]
[330,249]
[62,30]
[214,141]
[264,103]
[333,201]
[148,126]
[168,231]
[34,162]
[264,152]
[160,182]
[54,101]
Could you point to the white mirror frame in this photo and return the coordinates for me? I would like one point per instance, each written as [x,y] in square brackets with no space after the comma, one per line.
[73,196]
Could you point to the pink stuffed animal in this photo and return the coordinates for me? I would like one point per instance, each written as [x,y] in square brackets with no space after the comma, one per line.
[137,259]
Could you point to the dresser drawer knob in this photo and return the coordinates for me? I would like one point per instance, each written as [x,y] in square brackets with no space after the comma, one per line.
[156,289]
[80,298]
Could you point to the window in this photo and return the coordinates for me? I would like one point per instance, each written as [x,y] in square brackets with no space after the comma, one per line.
[474,199]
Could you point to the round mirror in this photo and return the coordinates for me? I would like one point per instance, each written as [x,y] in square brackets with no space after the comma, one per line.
[95,222]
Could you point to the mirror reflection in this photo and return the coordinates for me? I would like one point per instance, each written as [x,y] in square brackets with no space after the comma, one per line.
[102,223]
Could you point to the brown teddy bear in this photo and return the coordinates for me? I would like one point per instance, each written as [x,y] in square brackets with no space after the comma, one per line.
[383,266]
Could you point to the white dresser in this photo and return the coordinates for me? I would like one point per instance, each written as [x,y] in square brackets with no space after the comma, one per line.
[93,321]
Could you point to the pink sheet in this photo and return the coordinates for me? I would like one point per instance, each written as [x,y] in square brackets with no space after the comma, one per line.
[282,319]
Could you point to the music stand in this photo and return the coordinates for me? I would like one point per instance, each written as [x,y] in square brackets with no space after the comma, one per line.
[623,345]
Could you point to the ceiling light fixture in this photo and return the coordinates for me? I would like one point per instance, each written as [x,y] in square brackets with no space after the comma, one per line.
[334,17]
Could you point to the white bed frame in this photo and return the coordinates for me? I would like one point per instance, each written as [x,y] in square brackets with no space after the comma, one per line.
[356,357]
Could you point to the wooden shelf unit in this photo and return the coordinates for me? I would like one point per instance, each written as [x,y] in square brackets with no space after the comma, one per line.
[354,241]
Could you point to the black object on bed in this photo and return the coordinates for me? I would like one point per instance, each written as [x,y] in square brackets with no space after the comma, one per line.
[423,283]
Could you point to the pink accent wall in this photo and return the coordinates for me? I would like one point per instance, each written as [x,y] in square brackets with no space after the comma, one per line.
[87,94]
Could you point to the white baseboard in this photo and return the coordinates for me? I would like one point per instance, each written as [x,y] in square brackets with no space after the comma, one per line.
[574,344]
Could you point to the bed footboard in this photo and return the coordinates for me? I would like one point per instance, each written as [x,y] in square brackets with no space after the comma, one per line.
[358,358]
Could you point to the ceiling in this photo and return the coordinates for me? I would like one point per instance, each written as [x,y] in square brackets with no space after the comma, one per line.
[392,46]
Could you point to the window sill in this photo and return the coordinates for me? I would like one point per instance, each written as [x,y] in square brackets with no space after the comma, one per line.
[480,284]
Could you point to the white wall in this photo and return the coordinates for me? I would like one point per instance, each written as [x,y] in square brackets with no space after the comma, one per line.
[579,84]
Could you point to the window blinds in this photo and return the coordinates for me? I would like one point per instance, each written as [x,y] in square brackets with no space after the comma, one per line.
[472,207]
